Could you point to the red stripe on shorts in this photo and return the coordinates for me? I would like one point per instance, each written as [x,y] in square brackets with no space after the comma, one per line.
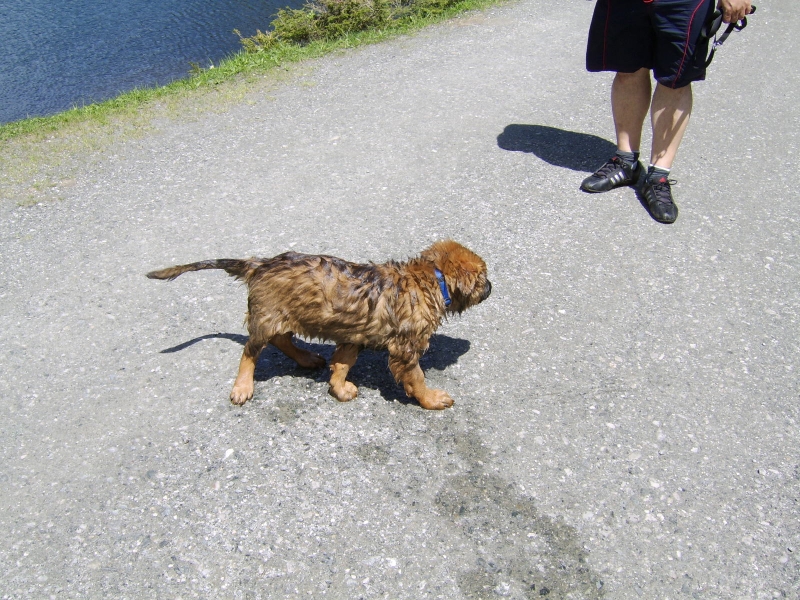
[686,44]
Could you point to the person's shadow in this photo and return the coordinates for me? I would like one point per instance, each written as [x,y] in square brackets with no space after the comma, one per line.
[371,370]
[568,149]
[559,147]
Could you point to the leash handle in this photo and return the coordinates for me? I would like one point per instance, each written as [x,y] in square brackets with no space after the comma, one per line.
[713,24]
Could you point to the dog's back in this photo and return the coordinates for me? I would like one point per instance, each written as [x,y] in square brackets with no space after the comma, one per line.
[317,296]
[321,297]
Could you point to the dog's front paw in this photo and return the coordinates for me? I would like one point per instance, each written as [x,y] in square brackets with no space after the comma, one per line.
[435,400]
[241,393]
[343,393]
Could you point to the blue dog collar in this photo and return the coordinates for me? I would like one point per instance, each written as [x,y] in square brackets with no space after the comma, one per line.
[443,286]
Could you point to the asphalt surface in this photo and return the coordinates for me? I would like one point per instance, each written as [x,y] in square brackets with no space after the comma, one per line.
[626,416]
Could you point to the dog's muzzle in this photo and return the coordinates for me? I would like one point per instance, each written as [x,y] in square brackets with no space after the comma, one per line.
[487,290]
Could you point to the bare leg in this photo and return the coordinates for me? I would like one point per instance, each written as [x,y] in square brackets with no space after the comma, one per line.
[413,380]
[669,116]
[304,358]
[243,386]
[344,357]
[630,101]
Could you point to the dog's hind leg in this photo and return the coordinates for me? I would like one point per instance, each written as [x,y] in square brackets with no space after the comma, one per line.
[344,357]
[304,358]
[243,386]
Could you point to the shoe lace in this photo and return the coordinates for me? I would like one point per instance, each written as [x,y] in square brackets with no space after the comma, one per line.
[612,165]
[662,191]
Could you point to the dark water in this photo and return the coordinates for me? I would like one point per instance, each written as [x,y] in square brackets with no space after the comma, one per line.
[58,53]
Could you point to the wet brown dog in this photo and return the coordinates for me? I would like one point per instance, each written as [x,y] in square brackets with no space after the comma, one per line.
[395,306]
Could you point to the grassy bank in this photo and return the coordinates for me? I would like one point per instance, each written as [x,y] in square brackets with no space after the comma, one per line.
[40,154]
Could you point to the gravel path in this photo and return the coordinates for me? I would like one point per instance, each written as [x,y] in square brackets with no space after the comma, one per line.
[626,417]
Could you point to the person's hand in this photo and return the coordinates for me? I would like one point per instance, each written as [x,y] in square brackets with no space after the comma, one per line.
[734,11]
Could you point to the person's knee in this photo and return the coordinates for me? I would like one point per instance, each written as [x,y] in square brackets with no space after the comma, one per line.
[637,77]
[680,98]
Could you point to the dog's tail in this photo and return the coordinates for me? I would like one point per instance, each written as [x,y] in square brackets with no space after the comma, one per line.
[241,269]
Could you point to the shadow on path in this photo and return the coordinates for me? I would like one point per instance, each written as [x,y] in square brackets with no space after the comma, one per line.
[568,149]
[235,337]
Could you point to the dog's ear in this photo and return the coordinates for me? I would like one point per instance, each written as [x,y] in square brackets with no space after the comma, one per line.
[442,252]
[466,276]
[460,266]
[436,252]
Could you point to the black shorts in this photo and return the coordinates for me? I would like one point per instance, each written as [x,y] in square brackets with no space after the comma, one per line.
[662,35]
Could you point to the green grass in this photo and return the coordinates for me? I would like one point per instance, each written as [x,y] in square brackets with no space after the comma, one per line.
[40,154]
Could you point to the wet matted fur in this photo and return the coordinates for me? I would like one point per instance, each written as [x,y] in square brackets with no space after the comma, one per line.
[395,306]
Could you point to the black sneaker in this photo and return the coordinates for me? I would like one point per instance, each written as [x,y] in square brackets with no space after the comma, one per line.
[657,194]
[613,174]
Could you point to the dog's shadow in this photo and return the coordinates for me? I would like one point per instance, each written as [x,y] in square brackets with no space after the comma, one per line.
[559,147]
[371,370]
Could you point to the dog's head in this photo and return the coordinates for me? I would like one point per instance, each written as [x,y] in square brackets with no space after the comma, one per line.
[464,272]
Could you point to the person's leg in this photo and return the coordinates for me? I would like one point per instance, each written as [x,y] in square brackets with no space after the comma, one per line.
[630,101]
[669,117]
[680,59]
[621,39]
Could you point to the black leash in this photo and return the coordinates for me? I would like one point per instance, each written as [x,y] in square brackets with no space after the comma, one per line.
[713,24]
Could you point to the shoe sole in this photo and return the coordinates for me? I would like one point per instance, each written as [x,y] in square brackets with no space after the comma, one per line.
[632,184]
